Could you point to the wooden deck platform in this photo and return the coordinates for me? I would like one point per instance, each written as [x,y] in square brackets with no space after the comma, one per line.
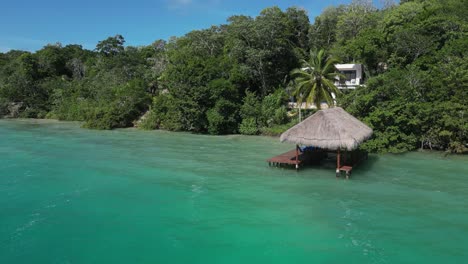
[287,158]
[345,161]
[304,158]
[347,170]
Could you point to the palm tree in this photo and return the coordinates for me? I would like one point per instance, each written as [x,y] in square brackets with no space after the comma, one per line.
[314,82]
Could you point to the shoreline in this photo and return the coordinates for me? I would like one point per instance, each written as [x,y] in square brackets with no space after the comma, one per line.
[56,121]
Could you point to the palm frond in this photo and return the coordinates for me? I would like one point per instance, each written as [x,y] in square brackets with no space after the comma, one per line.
[315,81]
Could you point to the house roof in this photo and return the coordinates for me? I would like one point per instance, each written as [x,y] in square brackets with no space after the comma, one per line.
[347,66]
[330,129]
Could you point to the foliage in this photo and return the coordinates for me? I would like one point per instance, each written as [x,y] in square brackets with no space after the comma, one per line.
[3,107]
[149,121]
[257,115]
[248,126]
[124,105]
[250,112]
[111,46]
[223,118]
[315,81]
[273,111]
[322,33]
[277,130]
[235,78]
[164,114]
[418,96]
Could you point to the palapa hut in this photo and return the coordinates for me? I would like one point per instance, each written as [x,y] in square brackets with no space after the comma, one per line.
[330,129]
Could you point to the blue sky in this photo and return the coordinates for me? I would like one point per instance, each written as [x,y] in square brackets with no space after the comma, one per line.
[31,24]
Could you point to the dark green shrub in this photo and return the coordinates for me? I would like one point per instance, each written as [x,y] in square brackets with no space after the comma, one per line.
[3,107]
[277,130]
[165,113]
[271,112]
[281,116]
[248,126]
[149,121]
[223,118]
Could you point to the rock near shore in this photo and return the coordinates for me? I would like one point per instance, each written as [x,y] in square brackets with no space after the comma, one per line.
[11,110]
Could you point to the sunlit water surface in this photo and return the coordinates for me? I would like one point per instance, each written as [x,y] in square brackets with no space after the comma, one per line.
[71,195]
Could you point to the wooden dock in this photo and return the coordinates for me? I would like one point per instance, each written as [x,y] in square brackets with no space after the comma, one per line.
[345,161]
[287,158]
[346,169]
[297,158]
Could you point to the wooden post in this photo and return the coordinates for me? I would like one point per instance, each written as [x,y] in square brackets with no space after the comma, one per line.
[338,157]
[297,157]
[344,157]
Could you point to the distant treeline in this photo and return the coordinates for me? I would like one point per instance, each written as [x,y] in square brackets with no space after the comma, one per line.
[235,78]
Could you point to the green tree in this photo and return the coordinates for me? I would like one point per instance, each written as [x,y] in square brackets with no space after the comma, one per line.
[111,46]
[223,118]
[250,112]
[358,15]
[51,60]
[266,47]
[315,80]
[322,34]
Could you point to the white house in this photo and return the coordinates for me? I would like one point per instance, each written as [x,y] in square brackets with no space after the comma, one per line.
[353,74]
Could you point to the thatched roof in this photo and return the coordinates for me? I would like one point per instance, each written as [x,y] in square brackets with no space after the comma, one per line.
[331,129]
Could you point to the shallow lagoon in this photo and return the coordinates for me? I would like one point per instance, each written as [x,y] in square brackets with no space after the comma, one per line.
[71,195]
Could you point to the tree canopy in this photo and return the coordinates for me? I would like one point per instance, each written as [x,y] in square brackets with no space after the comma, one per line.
[235,77]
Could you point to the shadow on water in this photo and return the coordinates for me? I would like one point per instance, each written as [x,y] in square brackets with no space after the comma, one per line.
[364,169]
[369,163]
[327,167]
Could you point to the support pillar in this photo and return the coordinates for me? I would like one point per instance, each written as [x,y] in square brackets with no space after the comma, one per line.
[297,157]
[338,157]
[344,157]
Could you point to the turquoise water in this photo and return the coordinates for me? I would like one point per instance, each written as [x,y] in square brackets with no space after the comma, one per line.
[70,195]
